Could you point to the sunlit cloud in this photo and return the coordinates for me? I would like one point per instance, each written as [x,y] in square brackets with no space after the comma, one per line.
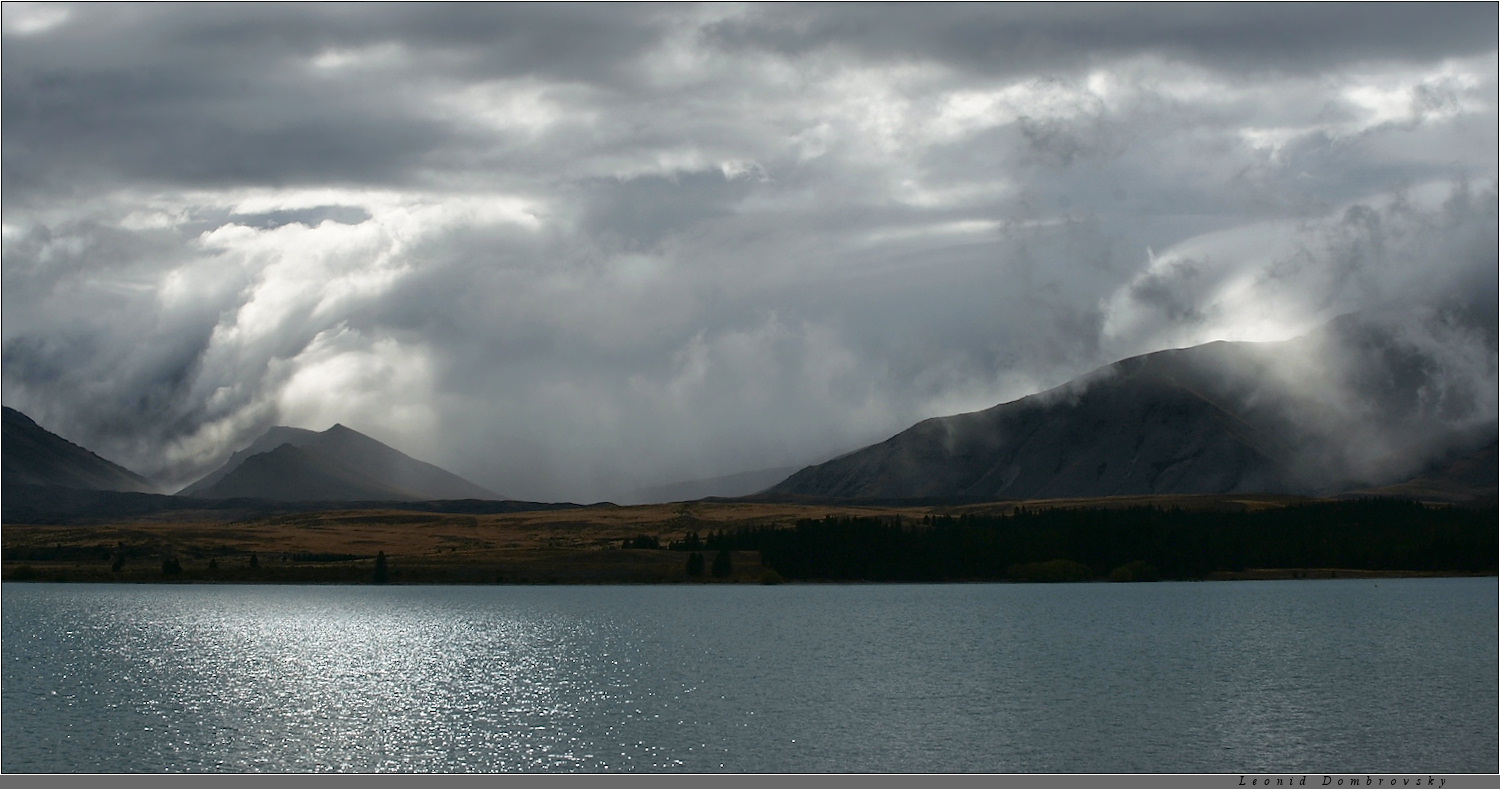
[30,19]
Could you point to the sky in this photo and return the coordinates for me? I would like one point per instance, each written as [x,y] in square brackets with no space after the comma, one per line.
[569,252]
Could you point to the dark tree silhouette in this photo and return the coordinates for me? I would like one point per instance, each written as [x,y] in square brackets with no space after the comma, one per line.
[1133,543]
[695,565]
[381,573]
[722,566]
[254,561]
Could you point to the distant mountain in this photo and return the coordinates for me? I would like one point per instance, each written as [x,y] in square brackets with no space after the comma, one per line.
[34,456]
[744,483]
[1359,403]
[338,464]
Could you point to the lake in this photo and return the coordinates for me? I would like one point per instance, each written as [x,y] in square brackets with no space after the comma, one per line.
[1238,677]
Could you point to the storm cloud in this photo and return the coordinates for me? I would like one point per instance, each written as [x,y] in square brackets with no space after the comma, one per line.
[573,251]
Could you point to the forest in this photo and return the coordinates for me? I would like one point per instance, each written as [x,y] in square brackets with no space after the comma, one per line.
[1125,544]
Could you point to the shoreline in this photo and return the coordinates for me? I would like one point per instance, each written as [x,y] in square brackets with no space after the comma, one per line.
[756,575]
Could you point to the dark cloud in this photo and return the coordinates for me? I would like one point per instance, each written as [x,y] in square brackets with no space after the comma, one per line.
[150,125]
[1017,38]
[1169,291]
[640,212]
[228,94]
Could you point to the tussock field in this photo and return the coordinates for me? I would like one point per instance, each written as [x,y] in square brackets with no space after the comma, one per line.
[597,544]
[580,545]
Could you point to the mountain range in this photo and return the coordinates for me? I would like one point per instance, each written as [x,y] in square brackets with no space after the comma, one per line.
[1362,405]
[285,464]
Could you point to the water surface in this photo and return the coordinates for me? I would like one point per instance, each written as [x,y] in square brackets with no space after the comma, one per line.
[1271,676]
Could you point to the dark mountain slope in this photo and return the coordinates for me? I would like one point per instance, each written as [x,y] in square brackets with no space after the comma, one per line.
[338,464]
[288,473]
[1358,403]
[34,456]
[268,441]
[1146,430]
[364,455]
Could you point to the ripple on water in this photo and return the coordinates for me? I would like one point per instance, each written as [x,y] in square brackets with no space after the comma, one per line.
[1225,677]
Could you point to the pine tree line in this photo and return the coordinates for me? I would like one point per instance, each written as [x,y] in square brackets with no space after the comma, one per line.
[1137,543]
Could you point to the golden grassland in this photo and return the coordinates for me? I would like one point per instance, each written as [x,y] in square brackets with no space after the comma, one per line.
[581,545]
[576,545]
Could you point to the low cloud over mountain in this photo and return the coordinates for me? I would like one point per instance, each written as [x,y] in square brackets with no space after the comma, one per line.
[1364,401]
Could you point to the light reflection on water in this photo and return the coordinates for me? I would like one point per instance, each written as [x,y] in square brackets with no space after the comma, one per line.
[1223,677]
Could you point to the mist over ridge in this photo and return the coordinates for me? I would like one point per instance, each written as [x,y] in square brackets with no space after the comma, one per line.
[1363,402]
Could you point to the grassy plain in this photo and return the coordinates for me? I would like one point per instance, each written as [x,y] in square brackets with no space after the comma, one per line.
[582,545]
